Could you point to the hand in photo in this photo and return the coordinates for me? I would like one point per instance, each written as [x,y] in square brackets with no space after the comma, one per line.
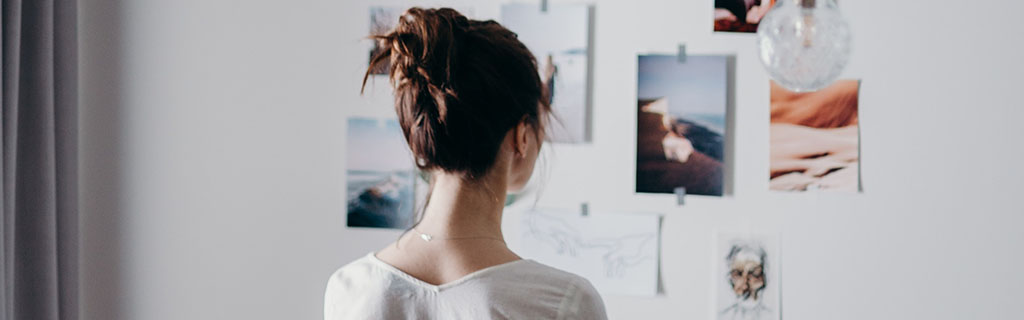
[724,15]
[756,13]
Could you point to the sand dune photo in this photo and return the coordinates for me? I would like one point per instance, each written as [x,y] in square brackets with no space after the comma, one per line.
[815,138]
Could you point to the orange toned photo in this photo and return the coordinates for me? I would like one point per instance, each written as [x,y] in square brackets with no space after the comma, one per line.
[815,138]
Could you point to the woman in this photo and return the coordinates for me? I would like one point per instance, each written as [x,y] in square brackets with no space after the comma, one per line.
[471,106]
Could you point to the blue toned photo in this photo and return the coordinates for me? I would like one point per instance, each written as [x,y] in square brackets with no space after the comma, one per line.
[380,175]
[559,40]
[681,124]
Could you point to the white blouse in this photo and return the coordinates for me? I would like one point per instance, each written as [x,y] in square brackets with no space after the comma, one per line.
[369,288]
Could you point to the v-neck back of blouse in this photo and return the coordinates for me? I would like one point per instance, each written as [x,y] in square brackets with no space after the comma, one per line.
[369,288]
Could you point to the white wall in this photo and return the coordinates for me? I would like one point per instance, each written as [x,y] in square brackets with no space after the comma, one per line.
[212,160]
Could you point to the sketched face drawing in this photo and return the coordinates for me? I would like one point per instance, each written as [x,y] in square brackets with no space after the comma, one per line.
[746,271]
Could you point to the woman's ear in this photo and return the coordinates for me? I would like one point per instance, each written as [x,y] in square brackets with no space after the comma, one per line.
[521,139]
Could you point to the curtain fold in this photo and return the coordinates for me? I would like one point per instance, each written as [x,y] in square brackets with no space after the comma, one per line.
[39,216]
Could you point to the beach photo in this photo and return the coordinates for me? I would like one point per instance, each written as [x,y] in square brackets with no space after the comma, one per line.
[740,15]
[380,175]
[559,39]
[681,125]
[815,138]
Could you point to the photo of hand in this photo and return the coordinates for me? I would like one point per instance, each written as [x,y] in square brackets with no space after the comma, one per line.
[740,15]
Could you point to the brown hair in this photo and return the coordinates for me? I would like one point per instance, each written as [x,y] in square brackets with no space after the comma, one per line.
[460,86]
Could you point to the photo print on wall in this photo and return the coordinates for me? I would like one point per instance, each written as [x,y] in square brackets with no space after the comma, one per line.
[380,175]
[559,38]
[815,138]
[382,21]
[681,124]
[740,15]
[746,276]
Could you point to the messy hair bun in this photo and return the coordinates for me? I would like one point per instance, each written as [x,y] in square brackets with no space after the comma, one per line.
[460,86]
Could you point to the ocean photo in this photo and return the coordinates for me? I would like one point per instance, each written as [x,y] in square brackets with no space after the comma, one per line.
[681,124]
[380,175]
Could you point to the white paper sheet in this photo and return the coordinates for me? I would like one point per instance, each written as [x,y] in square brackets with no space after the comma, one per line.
[746,276]
[617,252]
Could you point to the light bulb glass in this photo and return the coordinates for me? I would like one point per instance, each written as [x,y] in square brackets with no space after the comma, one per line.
[804,44]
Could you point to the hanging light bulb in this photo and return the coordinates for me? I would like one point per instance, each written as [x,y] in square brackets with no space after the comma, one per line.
[804,44]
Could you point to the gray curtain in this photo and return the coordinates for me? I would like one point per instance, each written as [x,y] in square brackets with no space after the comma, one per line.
[39,217]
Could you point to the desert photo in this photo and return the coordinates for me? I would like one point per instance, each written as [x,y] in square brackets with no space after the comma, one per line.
[815,138]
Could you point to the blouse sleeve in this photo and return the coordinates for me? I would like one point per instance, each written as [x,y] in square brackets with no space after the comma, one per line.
[331,299]
[582,302]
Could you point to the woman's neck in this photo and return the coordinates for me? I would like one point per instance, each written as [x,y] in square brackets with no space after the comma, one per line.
[461,208]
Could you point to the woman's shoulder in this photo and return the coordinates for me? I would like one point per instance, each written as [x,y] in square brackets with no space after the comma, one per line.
[354,275]
[360,289]
[361,279]
[577,297]
[531,269]
[359,268]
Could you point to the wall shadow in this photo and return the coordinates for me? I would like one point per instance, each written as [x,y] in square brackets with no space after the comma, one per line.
[101,113]
[730,126]
[588,105]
